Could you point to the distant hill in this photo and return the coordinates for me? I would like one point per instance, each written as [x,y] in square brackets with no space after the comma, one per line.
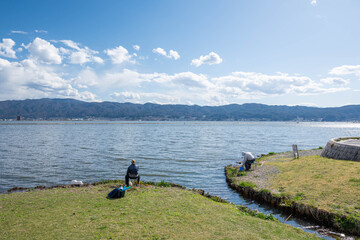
[71,109]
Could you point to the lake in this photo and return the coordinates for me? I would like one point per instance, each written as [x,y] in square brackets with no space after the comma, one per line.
[192,154]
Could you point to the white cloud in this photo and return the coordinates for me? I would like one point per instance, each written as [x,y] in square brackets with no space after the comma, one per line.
[172,53]
[159,51]
[6,48]
[64,51]
[127,78]
[41,31]
[97,59]
[335,81]
[346,70]
[190,80]
[210,59]
[170,97]
[136,47]
[144,97]
[313,2]
[130,79]
[256,85]
[79,55]
[71,44]
[119,55]
[86,78]
[44,51]
[30,79]
[306,104]
[18,32]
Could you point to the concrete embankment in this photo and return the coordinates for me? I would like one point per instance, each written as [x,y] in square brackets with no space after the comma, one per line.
[343,149]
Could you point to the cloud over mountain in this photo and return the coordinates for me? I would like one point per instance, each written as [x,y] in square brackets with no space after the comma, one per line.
[78,55]
[65,68]
[119,55]
[44,51]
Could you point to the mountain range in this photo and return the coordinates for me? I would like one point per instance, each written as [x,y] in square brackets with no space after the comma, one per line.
[61,109]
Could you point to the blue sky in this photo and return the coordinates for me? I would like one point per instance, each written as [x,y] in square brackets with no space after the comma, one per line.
[280,52]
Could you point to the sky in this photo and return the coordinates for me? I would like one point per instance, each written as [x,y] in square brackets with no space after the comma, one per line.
[279,52]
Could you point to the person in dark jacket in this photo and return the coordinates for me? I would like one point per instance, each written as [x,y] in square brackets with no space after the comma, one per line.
[132,173]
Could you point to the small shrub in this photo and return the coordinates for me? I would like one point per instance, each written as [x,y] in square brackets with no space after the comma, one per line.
[320,148]
[163,184]
[271,153]
[247,184]
[234,172]
[346,223]
[286,202]
[241,173]
[231,171]
[299,196]
[266,216]
[265,191]
[216,199]
[256,213]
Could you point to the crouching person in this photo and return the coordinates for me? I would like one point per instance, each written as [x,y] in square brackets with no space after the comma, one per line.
[132,173]
[248,160]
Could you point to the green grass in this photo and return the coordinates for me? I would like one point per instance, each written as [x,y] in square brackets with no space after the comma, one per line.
[247,184]
[163,184]
[321,182]
[234,172]
[146,212]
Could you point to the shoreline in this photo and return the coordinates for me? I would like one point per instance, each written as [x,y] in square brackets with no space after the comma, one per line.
[97,214]
[284,203]
[247,210]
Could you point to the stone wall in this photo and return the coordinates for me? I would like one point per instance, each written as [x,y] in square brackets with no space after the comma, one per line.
[343,149]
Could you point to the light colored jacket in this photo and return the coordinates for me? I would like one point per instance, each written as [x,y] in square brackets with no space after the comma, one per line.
[247,156]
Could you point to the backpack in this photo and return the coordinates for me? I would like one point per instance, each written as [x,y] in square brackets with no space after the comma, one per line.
[117,193]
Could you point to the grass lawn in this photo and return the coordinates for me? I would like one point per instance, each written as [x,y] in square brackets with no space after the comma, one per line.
[332,185]
[146,212]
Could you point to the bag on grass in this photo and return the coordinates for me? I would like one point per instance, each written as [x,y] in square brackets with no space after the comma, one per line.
[117,193]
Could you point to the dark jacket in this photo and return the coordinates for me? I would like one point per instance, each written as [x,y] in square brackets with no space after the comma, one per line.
[133,169]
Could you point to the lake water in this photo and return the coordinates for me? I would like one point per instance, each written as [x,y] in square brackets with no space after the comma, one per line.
[192,154]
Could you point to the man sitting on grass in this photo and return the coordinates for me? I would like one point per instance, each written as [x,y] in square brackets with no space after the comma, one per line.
[132,173]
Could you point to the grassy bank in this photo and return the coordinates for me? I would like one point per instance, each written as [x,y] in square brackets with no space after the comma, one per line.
[333,185]
[326,184]
[146,212]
